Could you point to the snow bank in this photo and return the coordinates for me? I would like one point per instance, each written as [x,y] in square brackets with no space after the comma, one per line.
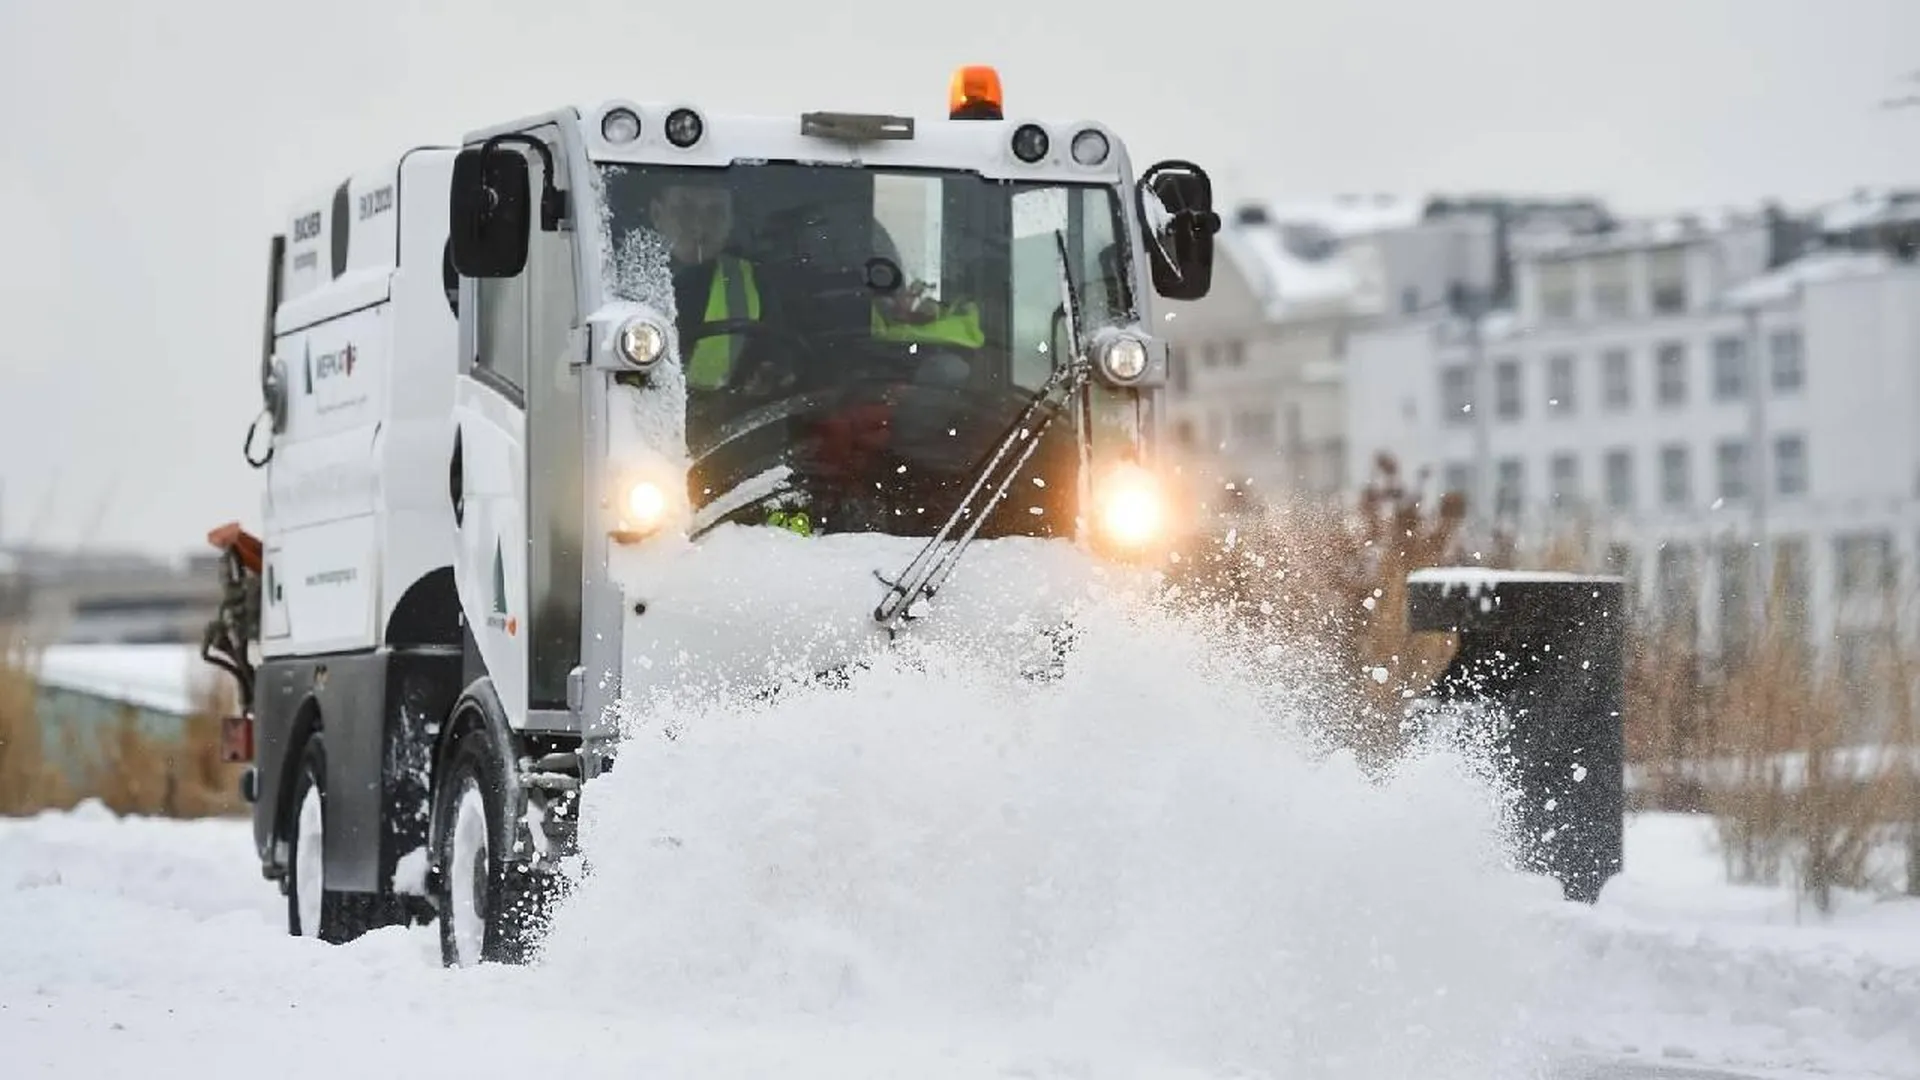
[1677,964]
[1144,857]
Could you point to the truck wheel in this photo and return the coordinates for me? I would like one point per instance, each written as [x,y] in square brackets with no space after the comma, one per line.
[313,910]
[492,907]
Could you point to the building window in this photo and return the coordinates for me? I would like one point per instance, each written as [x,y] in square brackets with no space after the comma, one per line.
[1409,299]
[1620,479]
[1612,286]
[1790,464]
[1565,470]
[1459,479]
[1177,361]
[1236,354]
[1560,384]
[1255,428]
[1670,365]
[1209,355]
[1731,458]
[1616,378]
[1863,563]
[1556,289]
[1676,481]
[1789,373]
[1509,488]
[1729,369]
[1456,394]
[1667,280]
[1506,389]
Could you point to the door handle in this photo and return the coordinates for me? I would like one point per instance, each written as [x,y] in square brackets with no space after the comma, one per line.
[456,481]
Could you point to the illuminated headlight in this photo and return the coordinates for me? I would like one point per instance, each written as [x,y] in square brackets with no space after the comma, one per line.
[1124,358]
[620,126]
[1030,143]
[641,343]
[646,504]
[1130,510]
[642,510]
[1090,147]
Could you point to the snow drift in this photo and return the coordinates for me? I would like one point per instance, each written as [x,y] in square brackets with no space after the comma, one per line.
[1145,853]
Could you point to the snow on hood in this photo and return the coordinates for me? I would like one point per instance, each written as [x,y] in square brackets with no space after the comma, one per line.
[746,605]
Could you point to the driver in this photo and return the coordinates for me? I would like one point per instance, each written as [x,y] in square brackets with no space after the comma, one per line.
[694,215]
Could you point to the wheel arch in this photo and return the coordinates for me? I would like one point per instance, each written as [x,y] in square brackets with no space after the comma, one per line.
[308,724]
[476,713]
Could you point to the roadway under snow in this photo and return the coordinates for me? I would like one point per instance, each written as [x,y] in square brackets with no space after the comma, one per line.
[1138,871]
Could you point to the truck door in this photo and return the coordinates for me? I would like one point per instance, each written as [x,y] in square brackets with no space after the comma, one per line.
[520,465]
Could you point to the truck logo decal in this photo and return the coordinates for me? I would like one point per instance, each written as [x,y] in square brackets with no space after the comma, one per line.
[306,227]
[327,365]
[377,201]
[499,619]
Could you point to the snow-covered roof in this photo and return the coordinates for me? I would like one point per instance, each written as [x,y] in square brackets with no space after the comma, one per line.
[1630,233]
[1868,207]
[1286,283]
[1782,284]
[1294,251]
[1350,215]
[160,677]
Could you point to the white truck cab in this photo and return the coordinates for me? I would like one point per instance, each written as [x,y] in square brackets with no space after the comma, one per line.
[636,397]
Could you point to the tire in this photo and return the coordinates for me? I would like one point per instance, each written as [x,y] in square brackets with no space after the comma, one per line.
[313,910]
[493,908]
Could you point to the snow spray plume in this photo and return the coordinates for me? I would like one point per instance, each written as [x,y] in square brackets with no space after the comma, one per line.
[1146,853]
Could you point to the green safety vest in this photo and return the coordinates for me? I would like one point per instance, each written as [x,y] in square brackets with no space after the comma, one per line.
[955,325]
[733,295]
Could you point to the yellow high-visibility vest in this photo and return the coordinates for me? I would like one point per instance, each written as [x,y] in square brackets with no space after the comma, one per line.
[733,295]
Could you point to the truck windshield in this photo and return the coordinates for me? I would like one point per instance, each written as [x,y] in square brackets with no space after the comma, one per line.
[856,340]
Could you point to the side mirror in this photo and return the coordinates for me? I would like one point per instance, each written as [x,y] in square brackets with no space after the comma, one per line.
[490,206]
[1175,204]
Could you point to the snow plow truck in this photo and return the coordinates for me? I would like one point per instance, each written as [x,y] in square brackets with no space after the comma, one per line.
[615,398]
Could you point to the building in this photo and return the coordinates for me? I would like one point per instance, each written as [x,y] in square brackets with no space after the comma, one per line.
[1669,393]
[1259,365]
[94,598]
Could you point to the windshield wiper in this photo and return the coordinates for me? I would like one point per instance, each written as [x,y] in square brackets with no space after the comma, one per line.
[929,570]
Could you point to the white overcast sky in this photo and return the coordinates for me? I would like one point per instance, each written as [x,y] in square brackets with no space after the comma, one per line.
[151,147]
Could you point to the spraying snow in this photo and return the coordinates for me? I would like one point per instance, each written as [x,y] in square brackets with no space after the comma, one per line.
[1145,854]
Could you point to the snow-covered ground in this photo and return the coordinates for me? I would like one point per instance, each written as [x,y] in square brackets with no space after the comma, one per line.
[1138,871]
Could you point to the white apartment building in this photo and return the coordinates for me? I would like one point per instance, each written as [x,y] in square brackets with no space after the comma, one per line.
[1259,365]
[1673,392]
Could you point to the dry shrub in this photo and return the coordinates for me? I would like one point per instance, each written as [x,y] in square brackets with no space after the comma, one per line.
[28,781]
[127,769]
[1667,720]
[1794,795]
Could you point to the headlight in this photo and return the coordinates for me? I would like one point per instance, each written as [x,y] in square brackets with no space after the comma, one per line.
[1130,510]
[620,126]
[643,510]
[1090,148]
[1030,143]
[646,503]
[1124,358]
[684,127]
[641,343]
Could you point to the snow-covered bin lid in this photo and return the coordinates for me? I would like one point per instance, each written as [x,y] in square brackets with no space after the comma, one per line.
[1450,599]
